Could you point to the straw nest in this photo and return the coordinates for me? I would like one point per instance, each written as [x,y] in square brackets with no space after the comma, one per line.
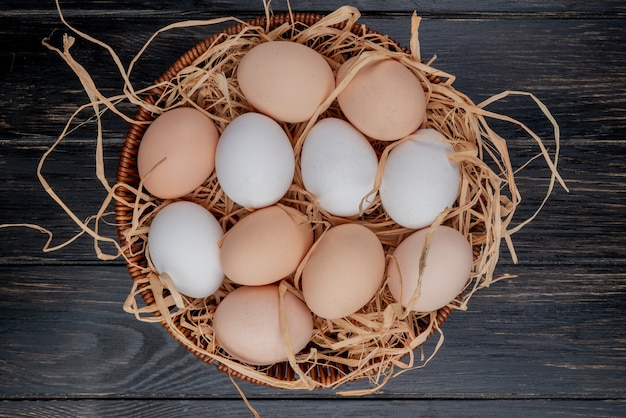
[382,338]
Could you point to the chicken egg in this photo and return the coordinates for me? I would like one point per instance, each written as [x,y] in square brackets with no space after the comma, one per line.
[447,268]
[266,245]
[343,272]
[177,152]
[254,161]
[384,100]
[247,324]
[287,81]
[182,243]
[338,166]
[419,181]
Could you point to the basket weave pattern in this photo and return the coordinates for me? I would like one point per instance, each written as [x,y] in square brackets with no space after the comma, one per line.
[325,372]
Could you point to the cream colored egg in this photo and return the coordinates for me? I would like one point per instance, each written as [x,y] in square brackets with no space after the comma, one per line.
[285,80]
[344,271]
[247,324]
[384,100]
[266,245]
[447,269]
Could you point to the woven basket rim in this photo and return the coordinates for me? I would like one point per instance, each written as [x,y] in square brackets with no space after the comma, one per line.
[324,375]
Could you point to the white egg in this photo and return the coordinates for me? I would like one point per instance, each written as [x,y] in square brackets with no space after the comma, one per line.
[254,161]
[338,167]
[419,181]
[182,242]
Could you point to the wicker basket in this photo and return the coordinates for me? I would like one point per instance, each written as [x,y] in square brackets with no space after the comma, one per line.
[326,374]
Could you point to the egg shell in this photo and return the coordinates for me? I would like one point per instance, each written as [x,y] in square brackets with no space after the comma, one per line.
[182,242]
[338,166]
[247,324]
[254,161]
[287,81]
[384,100]
[266,245]
[419,181]
[344,271]
[177,152]
[448,267]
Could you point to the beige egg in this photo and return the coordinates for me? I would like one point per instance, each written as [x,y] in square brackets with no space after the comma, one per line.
[448,267]
[344,271]
[266,245]
[177,152]
[285,80]
[384,100]
[247,324]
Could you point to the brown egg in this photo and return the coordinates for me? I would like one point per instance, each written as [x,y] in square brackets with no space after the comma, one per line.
[266,245]
[177,152]
[247,324]
[343,272]
[448,266]
[285,80]
[384,100]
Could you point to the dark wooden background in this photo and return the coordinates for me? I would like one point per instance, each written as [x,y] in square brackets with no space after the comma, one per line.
[549,342]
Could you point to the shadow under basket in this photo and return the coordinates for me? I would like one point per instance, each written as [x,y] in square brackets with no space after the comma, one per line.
[324,373]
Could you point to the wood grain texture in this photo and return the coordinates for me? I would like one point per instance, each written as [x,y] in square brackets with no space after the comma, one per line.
[64,334]
[195,7]
[232,408]
[549,342]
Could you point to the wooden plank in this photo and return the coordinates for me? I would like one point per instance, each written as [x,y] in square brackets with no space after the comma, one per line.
[446,6]
[381,408]
[554,332]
